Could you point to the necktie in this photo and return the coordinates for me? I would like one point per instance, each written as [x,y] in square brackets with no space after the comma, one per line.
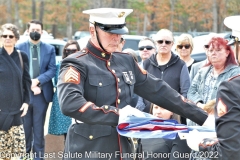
[35,62]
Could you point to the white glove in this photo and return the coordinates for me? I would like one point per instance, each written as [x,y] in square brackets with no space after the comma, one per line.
[194,138]
[129,111]
[210,121]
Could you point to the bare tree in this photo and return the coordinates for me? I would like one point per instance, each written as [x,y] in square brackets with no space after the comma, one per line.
[16,15]
[172,3]
[145,24]
[215,17]
[119,4]
[9,11]
[41,11]
[33,9]
[69,19]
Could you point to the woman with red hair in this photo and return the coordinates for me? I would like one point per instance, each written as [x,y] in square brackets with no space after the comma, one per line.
[222,65]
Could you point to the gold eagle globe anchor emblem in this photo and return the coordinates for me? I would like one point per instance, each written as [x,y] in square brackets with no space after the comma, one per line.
[121,14]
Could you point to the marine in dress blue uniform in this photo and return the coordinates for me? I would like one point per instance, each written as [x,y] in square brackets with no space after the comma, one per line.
[95,85]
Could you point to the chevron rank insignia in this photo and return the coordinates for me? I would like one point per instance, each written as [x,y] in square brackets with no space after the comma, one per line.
[72,76]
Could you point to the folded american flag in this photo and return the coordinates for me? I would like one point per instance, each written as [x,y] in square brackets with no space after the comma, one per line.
[145,125]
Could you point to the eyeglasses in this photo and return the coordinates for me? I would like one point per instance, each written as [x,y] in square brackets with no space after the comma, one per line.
[206,46]
[166,42]
[70,50]
[10,36]
[187,46]
[147,48]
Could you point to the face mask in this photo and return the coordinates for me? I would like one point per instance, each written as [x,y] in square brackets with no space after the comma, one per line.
[35,36]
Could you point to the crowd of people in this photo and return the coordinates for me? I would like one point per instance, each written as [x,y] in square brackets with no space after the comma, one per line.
[92,86]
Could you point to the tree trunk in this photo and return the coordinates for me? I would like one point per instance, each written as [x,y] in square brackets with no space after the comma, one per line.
[16,16]
[119,4]
[69,19]
[172,3]
[54,30]
[33,9]
[41,11]
[9,11]
[215,17]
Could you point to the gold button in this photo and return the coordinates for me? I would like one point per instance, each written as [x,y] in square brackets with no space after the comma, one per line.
[106,107]
[118,80]
[118,101]
[116,110]
[113,71]
[119,90]
[103,55]
[90,137]
[109,63]
[100,84]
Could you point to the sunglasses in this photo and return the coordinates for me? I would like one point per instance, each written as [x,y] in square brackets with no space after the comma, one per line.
[10,36]
[187,46]
[166,42]
[206,46]
[70,50]
[147,48]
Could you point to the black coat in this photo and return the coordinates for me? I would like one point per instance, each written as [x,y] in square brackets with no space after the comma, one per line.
[15,86]
[92,87]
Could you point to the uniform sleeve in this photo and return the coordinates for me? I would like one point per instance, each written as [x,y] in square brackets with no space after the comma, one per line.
[26,81]
[159,92]
[227,111]
[184,81]
[71,96]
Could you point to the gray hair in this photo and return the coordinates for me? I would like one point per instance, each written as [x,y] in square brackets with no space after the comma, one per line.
[149,39]
[10,27]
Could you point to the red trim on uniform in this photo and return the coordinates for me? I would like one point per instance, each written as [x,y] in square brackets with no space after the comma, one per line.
[120,147]
[233,77]
[82,54]
[99,108]
[100,57]
[85,106]
[116,78]
[99,48]
[141,69]
[185,100]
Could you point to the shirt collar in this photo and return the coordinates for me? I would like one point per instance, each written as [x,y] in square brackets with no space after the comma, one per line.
[31,44]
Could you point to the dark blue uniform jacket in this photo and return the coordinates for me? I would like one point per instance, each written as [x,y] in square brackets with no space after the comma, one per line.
[93,86]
